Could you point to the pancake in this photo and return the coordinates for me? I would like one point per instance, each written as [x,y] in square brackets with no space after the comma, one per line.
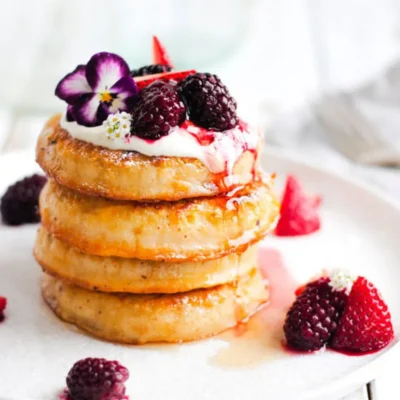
[114,274]
[188,230]
[145,318]
[123,175]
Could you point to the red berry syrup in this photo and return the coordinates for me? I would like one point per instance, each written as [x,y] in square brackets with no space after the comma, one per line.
[259,339]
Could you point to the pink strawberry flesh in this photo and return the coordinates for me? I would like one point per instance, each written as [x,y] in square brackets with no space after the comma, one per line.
[365,325]
[143,81]
[299,211]
[160,55]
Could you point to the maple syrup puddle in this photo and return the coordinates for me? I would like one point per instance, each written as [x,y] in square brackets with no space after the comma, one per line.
[260,338]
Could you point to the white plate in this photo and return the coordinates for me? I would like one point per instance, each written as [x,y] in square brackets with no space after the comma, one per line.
[361,230]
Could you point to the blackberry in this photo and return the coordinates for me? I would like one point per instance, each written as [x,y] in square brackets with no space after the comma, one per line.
[19,203]
[208,102]
[97,379]
[314,316]
[151,70]
[158,109]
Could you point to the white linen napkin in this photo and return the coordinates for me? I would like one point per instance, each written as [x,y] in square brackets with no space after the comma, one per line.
[378,101]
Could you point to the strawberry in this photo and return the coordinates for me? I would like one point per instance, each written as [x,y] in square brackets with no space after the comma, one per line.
[365,324]
[143,81]
[160,55]
[3,305]
[299,212]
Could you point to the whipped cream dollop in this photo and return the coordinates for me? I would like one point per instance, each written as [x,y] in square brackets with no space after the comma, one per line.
[218,151]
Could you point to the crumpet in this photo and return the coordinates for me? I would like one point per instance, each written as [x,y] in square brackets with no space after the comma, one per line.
[131,275]
[146,318]
[195,230]
[127,175]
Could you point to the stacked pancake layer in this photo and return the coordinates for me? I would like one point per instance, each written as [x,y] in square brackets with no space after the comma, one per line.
[140,249]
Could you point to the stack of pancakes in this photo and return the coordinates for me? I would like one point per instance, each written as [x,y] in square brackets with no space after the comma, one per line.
[140,249]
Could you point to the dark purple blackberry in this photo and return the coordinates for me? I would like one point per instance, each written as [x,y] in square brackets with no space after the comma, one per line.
[158,109]
[314,316]
[97,379]
[19,203]
[151,70]
[208,102]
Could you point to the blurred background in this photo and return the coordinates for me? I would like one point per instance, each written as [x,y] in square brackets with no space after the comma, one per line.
[284,51]
[277,57]
[321,77]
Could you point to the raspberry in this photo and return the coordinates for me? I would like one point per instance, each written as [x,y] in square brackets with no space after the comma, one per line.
[3,305]
[97,379]
[314,316]
[157,110]
[365,324]
[20,201]
[208,102]
[299,212]
[150,70]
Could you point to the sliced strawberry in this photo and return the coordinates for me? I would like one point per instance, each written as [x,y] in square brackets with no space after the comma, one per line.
[160,55]
[3,305]
[299,212]
[365,324]
[143,81]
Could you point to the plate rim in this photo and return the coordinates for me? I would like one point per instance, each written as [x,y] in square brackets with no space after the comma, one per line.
[363,374]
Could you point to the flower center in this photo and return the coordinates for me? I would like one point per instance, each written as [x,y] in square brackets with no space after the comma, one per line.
[107,97]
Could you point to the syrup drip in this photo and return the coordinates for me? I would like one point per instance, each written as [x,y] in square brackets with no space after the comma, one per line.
[260,338]
[224,179]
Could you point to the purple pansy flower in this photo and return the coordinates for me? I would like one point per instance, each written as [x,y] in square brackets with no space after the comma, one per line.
[93,91]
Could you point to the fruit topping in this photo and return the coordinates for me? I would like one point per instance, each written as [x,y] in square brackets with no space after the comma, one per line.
[341,310]
[208,101]
[158,110]
[19,203]
[151,70]
[160,55]
[97,379]
[299,211]
[365,325]
[3,305]
[314,316]
[143,81]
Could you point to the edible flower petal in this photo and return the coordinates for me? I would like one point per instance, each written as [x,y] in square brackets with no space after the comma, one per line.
[86,114]
[100,88]
[73,86]
[70,114]
[105,69]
